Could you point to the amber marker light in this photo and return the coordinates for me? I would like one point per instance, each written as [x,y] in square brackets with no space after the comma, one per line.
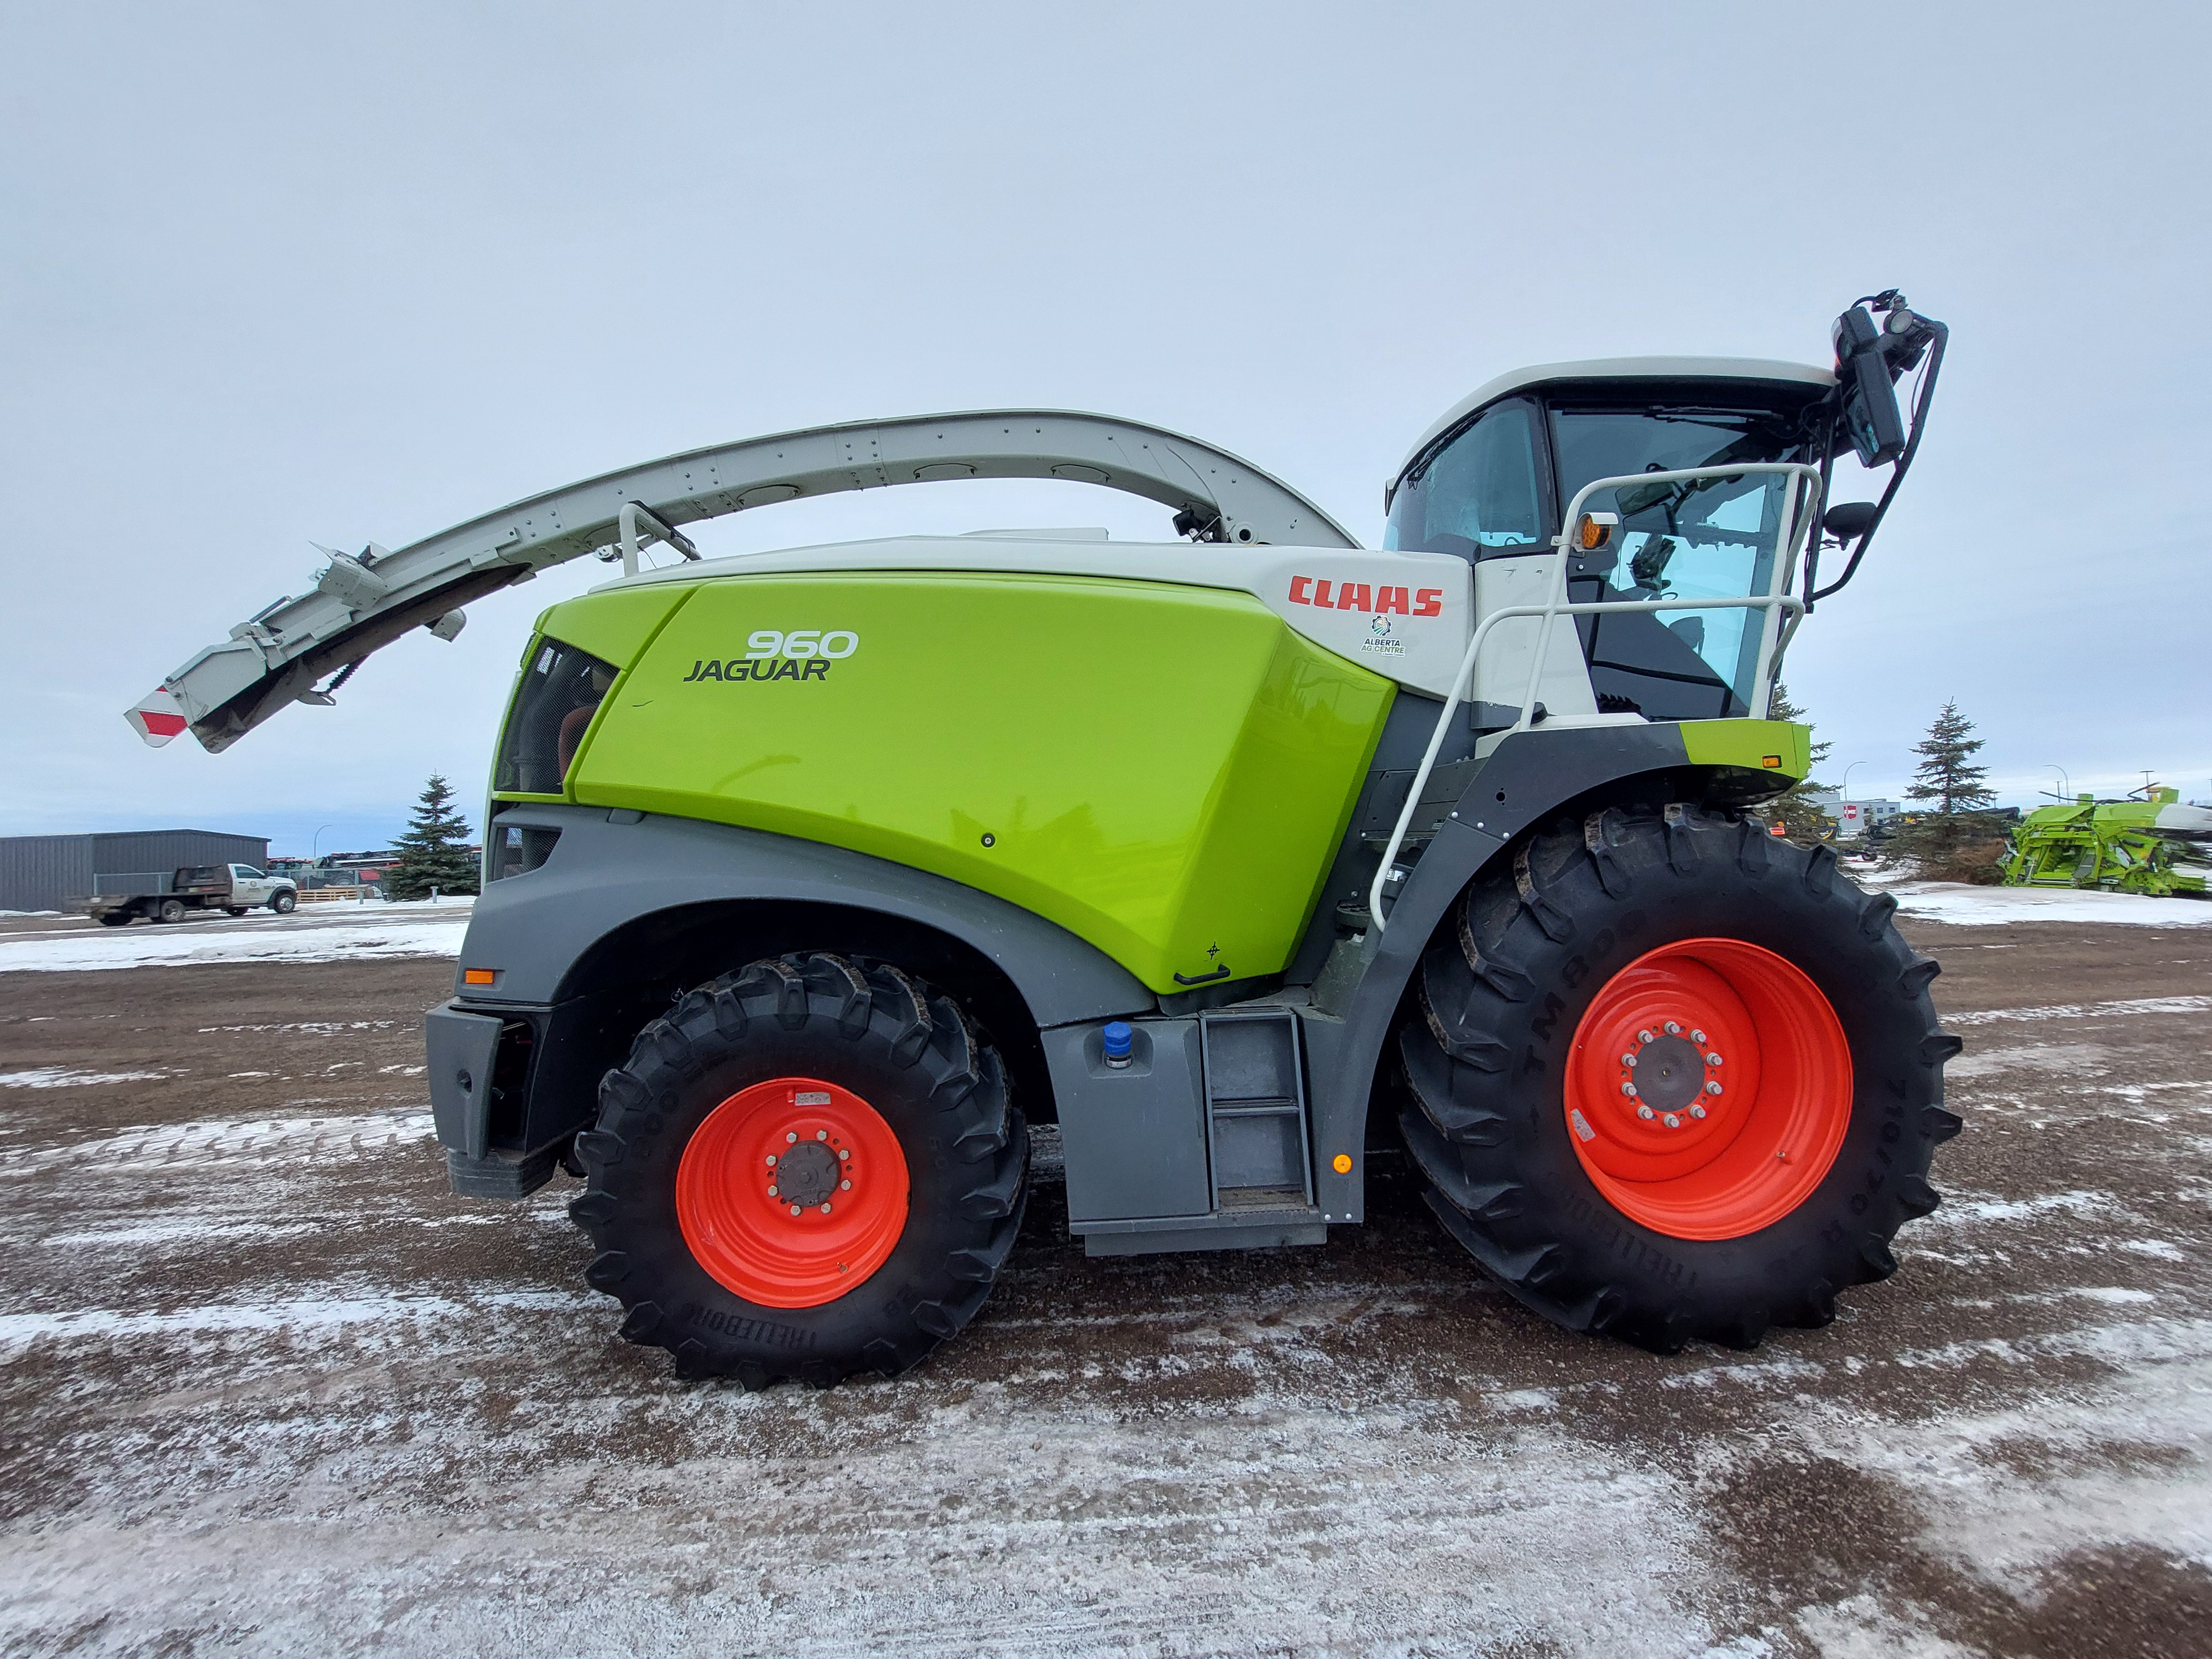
[1595,529]
[478,975]
[1343,1165]
[1771,760]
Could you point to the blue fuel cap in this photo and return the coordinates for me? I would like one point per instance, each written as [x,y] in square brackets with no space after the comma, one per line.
[1117,1036]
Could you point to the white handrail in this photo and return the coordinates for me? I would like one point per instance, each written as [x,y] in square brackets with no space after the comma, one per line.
[661,529]
[1773,600]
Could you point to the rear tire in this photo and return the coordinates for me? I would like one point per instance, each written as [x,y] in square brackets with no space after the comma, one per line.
[235,909]
[117,918]
[170,910]
[1660,1229]
[703,1251]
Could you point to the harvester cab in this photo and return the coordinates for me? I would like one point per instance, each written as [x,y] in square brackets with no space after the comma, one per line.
[813,876]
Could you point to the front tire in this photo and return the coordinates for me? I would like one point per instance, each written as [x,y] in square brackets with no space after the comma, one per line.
[283,903]
[1569,1127]
[805,1170]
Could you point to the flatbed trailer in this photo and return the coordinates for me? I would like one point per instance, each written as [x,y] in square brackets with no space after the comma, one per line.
[171,896]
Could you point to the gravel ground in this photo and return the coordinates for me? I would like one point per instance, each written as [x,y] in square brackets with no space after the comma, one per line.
[268,1387]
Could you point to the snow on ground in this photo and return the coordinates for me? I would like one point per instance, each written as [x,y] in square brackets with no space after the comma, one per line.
[341,932]
[1963,906]
[267,1386]
[60,1077]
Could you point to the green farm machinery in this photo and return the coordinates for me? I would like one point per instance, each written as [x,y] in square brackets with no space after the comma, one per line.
[815,878]
[2151,842]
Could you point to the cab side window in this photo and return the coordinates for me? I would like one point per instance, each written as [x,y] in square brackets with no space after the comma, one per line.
[1479,496]
[561,690]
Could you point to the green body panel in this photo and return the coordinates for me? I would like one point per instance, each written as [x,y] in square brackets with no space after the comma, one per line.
[612,627]
[2110,844]
[1165,771]
[1774,746]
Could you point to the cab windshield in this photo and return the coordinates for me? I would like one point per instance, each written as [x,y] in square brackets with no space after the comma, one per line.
[1708,538]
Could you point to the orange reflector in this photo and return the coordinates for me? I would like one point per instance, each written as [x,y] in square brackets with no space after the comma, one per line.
[1343,1165]
[478,975]
[1770,760]
[1595,529]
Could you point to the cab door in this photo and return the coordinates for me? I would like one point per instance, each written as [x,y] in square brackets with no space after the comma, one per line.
[248,885]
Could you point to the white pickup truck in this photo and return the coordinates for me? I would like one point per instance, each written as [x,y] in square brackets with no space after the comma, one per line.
[233,888]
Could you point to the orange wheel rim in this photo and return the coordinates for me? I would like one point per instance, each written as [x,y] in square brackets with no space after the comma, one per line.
[791,1192]
[1709,1088]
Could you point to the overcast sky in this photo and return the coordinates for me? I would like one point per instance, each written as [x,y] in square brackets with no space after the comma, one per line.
[281,274]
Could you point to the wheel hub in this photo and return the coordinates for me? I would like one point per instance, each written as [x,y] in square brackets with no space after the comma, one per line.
[806,1176]
[1669,1075]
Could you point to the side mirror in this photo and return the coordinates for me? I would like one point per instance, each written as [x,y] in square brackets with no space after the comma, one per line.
[1849,521]
[1871,412]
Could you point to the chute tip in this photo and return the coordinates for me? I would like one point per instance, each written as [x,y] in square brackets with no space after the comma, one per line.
[156,717]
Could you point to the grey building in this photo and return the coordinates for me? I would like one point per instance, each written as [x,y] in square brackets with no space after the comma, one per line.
[59,872]
[1853,818]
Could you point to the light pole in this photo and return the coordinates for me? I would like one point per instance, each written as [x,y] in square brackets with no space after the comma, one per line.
[315,846]
[2065,787]
[1848,770]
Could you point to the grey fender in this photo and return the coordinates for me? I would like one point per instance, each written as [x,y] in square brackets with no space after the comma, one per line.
[611,868]
[1525,780]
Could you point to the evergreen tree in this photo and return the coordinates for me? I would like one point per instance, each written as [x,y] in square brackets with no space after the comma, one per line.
[435,851]
[1955,837]
[1802,820]
[1945,775]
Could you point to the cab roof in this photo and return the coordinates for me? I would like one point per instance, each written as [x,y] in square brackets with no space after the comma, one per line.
[1768,370]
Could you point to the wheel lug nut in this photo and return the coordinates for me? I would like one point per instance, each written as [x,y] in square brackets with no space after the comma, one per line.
[1712,1059]
[771,1191]
[1713,1088]
[842,1154]
[822,1134]
[825,1209]
[1645,1037]
[1696,1037]
[1629,1060]
[1673,1029]
[1697,1111]
[794,1135]
[1644,1112]
[847,1186]
[794,1209]
[1672,1121]
[1628,1089]
[771,1160]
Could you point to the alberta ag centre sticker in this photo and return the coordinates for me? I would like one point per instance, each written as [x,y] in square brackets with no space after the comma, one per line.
[802,654]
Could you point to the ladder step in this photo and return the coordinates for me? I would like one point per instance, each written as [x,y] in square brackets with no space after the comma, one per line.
[1256,1108]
